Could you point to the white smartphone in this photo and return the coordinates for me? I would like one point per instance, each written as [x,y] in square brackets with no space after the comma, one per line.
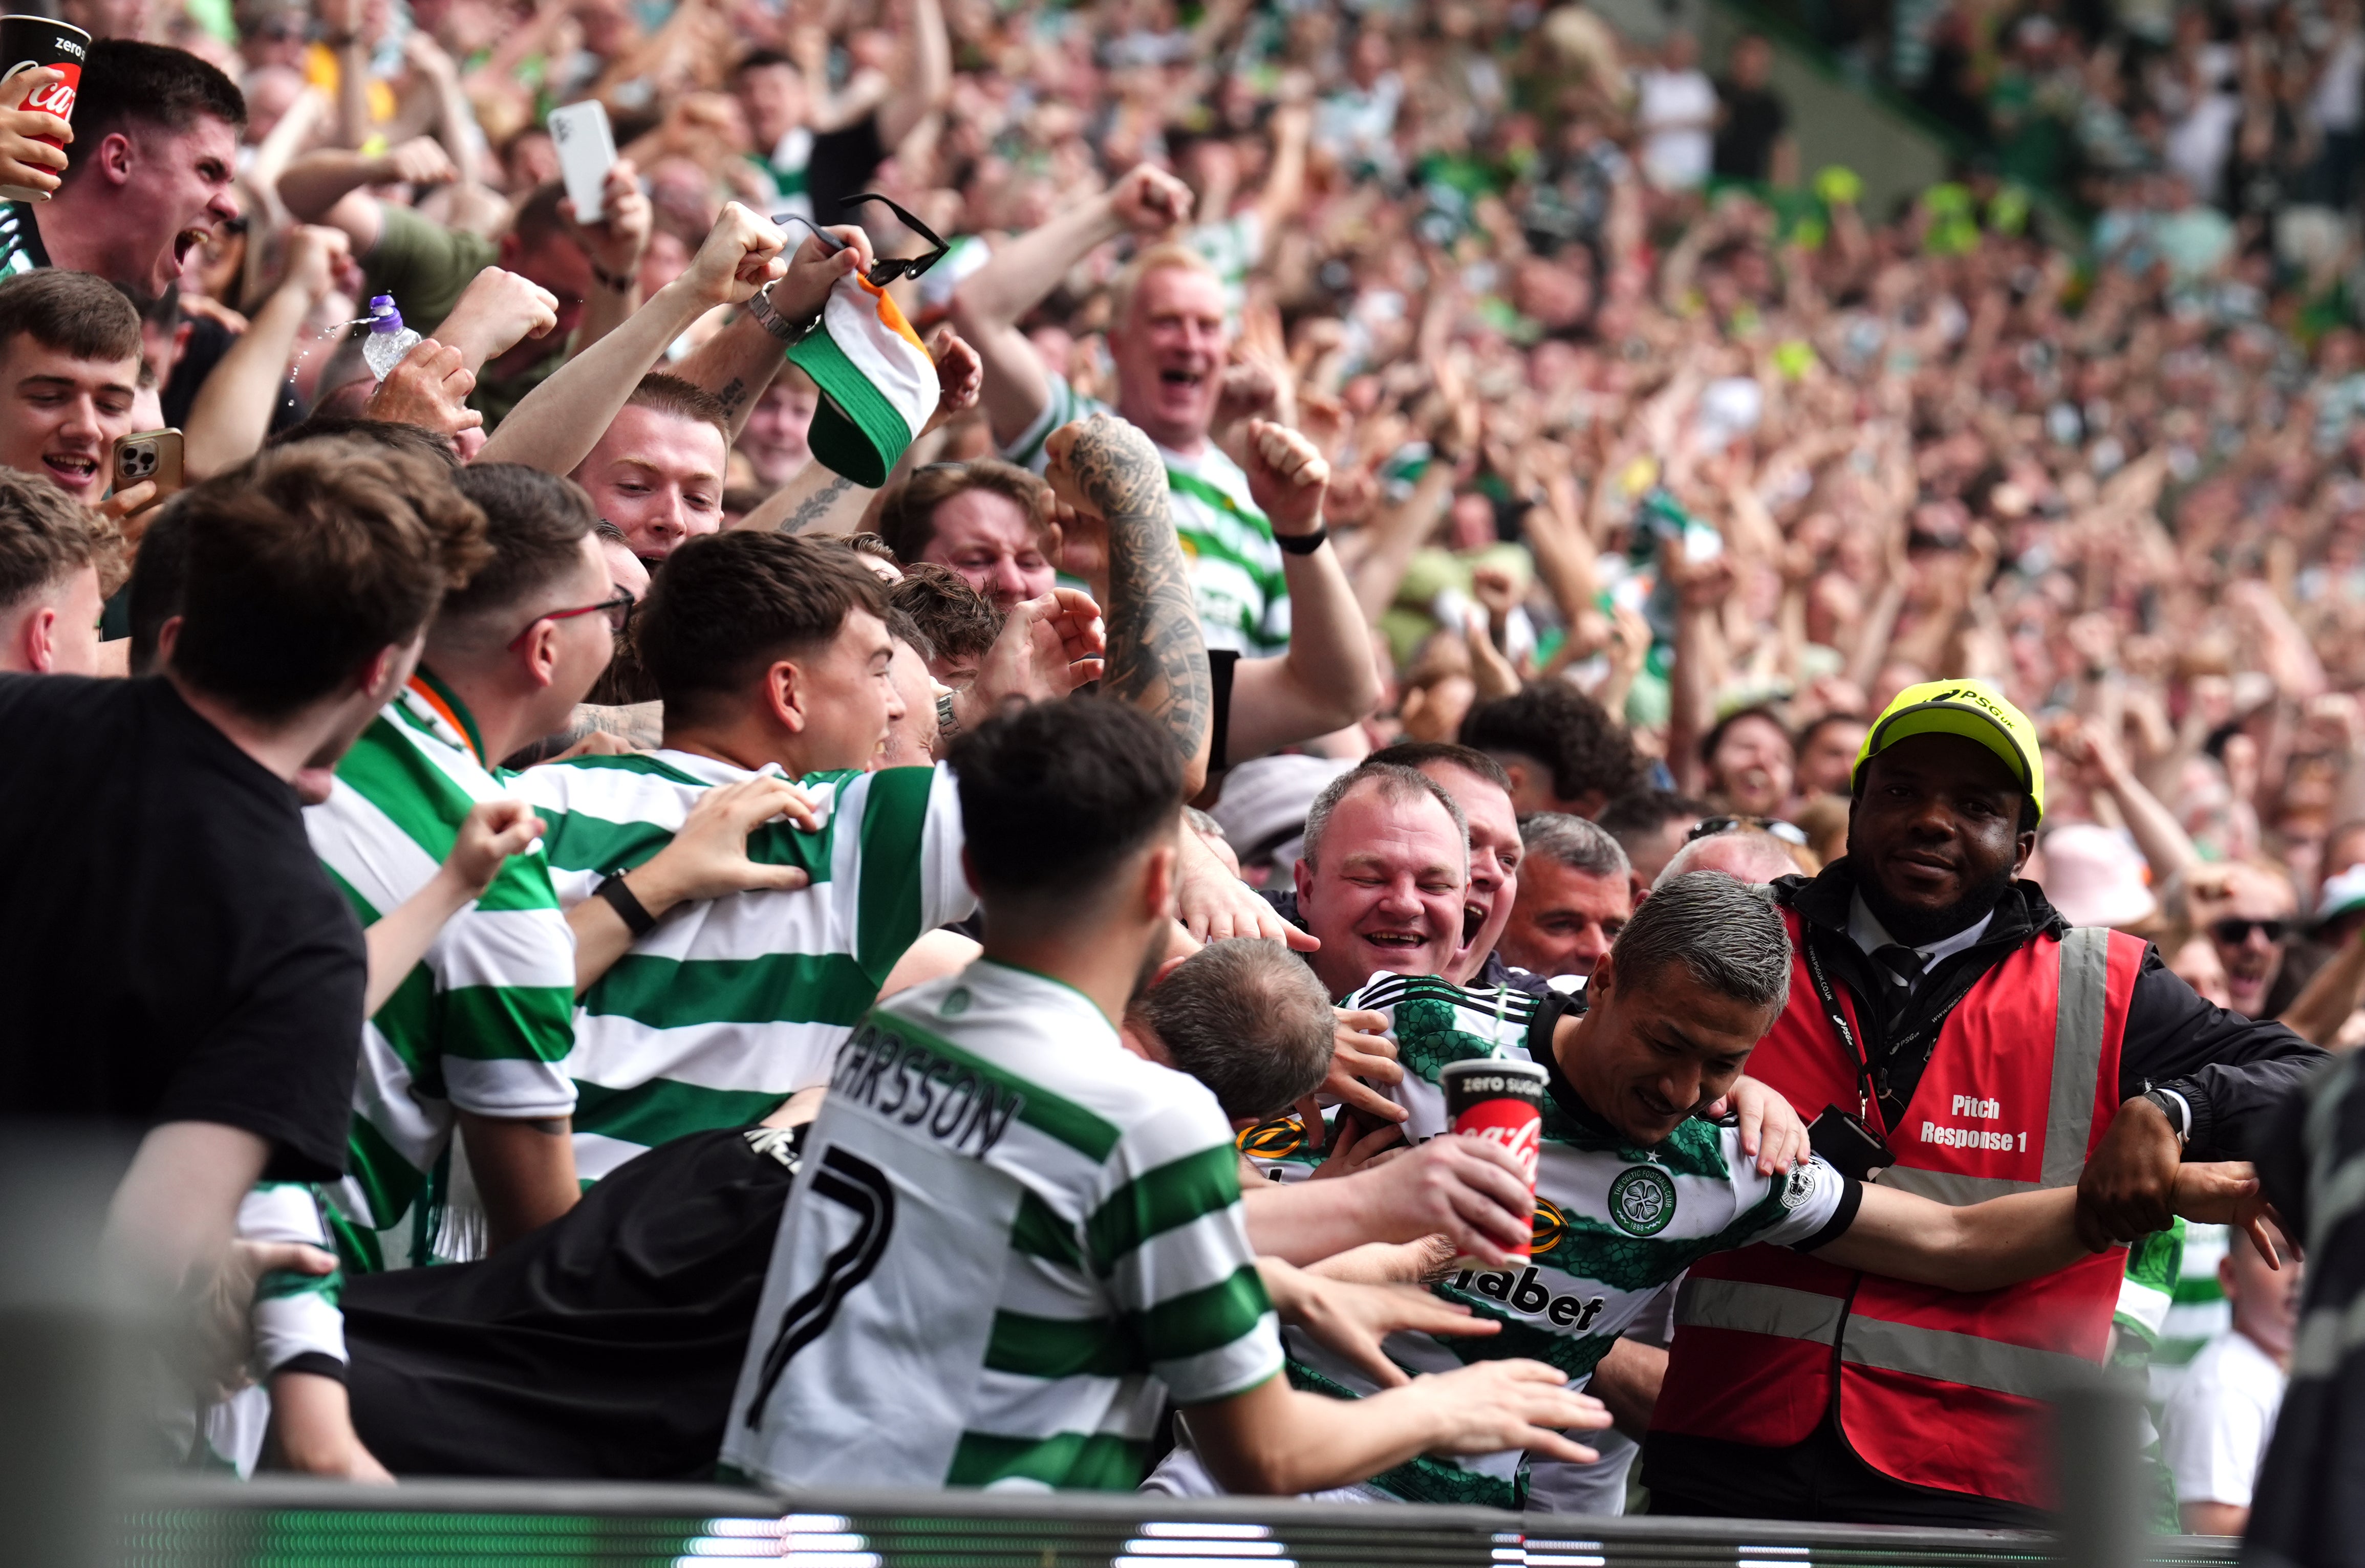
[586,148]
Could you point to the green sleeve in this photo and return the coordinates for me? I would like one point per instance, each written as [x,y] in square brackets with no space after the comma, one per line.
[424,265]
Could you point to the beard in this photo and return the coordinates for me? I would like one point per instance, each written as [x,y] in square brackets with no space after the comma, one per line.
[1161,941]
[1917,927]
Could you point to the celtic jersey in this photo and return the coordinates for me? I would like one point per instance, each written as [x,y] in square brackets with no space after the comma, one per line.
[482,1022]
[1235,566]
[1010,1243]
[294,1325]
[1616,1224]
[735,1003]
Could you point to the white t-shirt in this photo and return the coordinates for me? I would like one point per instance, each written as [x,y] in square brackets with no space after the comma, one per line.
[1676,157]
[2215,1430]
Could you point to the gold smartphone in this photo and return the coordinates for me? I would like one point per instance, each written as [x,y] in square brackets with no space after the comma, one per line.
[150,455]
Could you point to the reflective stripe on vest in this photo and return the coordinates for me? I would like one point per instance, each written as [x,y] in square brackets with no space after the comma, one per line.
[1787,1313]
[2077,1062]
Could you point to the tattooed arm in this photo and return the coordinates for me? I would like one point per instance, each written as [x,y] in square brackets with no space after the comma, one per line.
[816,501]
[1157,658]
[555,427]
[593,728]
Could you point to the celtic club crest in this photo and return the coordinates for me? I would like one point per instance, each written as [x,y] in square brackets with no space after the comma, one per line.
[1642,1200]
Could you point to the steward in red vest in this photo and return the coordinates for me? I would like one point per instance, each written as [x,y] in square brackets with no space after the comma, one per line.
[1945,1025]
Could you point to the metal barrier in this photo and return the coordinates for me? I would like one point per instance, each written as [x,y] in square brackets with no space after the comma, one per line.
[203,1523]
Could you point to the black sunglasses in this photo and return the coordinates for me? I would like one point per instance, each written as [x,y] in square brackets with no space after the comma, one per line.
[2232,931]
[888,269]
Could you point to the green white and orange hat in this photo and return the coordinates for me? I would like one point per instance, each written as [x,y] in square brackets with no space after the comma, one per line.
[1974,710]
[877,382]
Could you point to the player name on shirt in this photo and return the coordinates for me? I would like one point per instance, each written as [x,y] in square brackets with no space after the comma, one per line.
[1079,1259]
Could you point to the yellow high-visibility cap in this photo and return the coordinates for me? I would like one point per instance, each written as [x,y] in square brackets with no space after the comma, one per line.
[1974,710]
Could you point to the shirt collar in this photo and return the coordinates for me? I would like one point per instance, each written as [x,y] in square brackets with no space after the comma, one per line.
[1035,989]
[445,705]
[1863,928]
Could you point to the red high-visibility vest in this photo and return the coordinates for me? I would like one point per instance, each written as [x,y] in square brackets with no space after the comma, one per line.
[1933,1388]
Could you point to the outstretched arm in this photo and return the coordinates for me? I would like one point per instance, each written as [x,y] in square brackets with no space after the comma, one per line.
[557,423]
[931,75]
[1984,1246]
[1326,680]
[1157,658]
[997,297]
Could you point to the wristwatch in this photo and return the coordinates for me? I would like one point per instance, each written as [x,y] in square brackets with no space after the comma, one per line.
[759,306]
[2176,1108]
[948,720]
[1301,543]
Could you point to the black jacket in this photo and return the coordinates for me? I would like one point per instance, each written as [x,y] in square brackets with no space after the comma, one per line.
[2233,1070]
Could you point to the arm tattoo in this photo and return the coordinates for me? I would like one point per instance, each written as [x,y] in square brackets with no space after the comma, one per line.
[733,393]
[815,506]
[1157,657]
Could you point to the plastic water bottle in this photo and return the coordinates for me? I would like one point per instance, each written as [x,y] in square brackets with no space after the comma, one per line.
[389,339]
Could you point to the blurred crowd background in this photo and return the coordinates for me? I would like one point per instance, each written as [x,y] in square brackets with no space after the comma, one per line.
[1657,455]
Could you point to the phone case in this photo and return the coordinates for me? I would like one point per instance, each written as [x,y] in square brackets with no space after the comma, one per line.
[587,149]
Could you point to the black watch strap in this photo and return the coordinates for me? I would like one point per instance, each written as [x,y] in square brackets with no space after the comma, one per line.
[1303,544]
[628,907]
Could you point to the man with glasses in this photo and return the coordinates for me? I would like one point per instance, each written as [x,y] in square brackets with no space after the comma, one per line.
[1948,1027]
[476,1037]
[2249,922]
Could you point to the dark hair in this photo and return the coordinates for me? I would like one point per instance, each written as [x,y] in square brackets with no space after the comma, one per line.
[1724,931]
[907,510]
[756,59]
[1249,1020]
[1561,728]
[1054,797]
[160,574]
[126,82]
[305,563]
[904,628]
[1715,736]
[1636,815]
[535,523]
[725,604]
[959,621]
[1418,754]
[164,311]
[873,546]
[74,313]
[415,440]
[538,219]
[47,535]
[683,400]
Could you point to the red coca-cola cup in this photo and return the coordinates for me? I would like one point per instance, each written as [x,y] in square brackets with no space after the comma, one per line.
[27,43]
[1502,1102]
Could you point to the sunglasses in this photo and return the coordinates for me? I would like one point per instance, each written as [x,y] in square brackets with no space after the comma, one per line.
[1709,827]
[2232,931]
[888,269]
[618,610]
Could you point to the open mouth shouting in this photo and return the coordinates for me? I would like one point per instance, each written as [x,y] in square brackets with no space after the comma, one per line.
[186,241]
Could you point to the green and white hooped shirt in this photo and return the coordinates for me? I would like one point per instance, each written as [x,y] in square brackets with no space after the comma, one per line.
[1010,1242]
[731,1005]
[1235,566]
[1616,1226]
[481,1023]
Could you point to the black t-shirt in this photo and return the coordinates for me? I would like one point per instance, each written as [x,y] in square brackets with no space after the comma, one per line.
[1754,119]
[841,164]
[170,948]
[605,1345]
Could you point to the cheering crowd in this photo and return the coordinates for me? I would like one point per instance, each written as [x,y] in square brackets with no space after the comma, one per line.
[840,832]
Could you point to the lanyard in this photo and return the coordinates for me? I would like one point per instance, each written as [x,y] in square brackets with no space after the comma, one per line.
[1867,1095]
